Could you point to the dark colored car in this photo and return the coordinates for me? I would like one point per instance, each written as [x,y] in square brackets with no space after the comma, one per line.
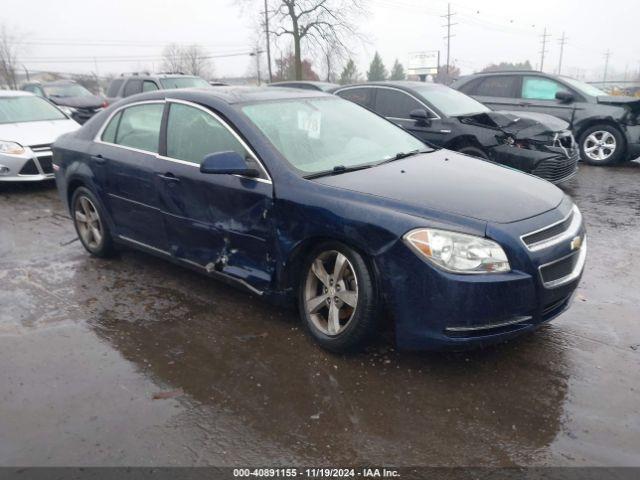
[306,85]
[606,127]
[302,195]
[127,85]
[71,97]
[538,144]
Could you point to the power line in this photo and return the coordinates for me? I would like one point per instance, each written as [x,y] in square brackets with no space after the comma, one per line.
[543,52]
[562,41]
[448,37]
[125,59]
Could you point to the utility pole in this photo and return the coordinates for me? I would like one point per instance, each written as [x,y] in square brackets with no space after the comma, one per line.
[563,40]
[266,29]
[544,36]
[607,54]
[448,36]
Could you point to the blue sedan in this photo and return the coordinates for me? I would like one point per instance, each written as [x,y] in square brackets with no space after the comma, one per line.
[303,196]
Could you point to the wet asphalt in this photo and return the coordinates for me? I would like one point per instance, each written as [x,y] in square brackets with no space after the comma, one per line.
[135,361]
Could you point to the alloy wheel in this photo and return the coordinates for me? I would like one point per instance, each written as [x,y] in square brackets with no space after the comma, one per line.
[600,145]
[88,222]
[331,292]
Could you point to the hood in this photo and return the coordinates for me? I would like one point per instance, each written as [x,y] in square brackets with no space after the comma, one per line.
[36,133]
[451,182]
[93,101]
[632,102]
[517,124]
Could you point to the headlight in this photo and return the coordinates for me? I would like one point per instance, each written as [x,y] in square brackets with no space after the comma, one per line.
[67,110]
[11,148]
[458,252]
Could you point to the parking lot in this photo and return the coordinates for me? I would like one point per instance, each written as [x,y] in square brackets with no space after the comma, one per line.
[135,361]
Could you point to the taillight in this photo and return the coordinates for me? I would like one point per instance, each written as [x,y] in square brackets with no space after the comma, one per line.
[105,104]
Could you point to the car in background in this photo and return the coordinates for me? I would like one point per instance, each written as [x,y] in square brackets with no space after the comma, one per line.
[28,126]
[537,144]
[300,196]
[71,97]
[607,128]
[306,85]
[127,85]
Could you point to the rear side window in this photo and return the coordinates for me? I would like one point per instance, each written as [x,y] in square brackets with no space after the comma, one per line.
[470,87]
[361,96]
[149,86]
[192,134]
[540,88]
[109,133]
[393,103]
[114,87]
[132,87]
[504,86]
[139,127]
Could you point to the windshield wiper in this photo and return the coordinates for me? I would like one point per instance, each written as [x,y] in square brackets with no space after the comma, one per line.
[401,155]
[337,170]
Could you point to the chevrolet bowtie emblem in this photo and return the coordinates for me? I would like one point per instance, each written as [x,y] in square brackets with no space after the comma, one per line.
[576,243]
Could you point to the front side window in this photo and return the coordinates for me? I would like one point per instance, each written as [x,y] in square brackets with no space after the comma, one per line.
[139,127]
[540,88]
[361,96]
[149,86]
[317,134]
[27,108]
[392,103]
[193,134]
[502,86]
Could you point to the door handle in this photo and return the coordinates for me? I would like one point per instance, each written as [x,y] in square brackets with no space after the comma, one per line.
[99,159]
[169,177]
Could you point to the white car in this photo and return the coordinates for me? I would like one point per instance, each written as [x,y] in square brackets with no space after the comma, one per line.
[28,127]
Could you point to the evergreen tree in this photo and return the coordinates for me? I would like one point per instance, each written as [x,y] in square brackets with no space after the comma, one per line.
[377,71]
[397,72]
[349,73]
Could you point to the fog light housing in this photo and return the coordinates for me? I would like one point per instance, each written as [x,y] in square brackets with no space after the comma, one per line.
[4,170]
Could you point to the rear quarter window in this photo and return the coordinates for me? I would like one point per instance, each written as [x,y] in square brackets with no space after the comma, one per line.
[361,96]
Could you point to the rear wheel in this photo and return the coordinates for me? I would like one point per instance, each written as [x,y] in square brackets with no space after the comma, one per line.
[474,152]
[337,301]
[602,145]
[88,218]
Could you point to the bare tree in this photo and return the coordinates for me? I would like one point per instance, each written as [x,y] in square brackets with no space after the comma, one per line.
[172,58]
[315,25]
[191,59]
[9,49]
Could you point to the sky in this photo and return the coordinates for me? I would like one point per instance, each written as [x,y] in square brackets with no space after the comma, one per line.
[115,36]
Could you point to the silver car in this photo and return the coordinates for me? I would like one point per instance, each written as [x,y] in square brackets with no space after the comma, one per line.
[28,127]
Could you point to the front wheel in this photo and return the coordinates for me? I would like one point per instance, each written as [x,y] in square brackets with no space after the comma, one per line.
[338,301]
[602,145]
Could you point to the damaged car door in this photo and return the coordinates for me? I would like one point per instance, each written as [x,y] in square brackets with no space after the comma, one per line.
[216,222]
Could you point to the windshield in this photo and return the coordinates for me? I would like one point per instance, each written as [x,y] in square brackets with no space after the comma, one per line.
[584,87]
[27,109]
[183,82]
[66,90]
[450,102]
[318,134]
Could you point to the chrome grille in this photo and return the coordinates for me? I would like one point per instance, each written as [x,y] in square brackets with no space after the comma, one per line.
[557,169]
[555,233]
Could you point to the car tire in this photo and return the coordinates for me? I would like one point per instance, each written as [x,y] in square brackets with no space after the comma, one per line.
[473,152]
[338,301]
[90,223]
[602,145]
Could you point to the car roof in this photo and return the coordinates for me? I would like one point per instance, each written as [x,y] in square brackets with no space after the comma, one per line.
[15,93]
[233,94]
[307,82]
[401,84]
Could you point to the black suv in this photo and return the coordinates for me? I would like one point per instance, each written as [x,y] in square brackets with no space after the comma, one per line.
[127,85]
[70,97]
[538,144]
[607,128]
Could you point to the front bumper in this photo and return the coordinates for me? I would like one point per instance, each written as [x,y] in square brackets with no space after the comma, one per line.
[632,134]
[434,309]
[35,165]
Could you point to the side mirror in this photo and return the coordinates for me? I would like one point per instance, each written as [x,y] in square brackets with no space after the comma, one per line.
[227,163]
[421,116]
[564,97]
